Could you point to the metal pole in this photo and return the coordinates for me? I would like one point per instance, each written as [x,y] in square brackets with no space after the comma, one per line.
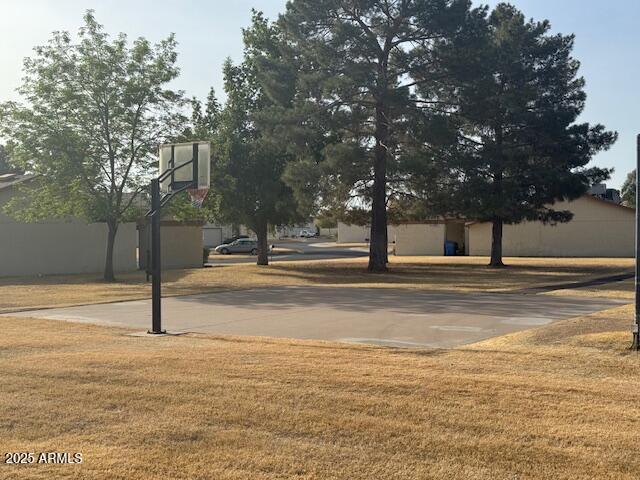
[156,213]
[156,269]
[194,162]
[636,325]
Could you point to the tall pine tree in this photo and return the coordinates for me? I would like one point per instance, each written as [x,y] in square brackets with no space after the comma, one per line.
[365,69]
[521,148]
[249,164]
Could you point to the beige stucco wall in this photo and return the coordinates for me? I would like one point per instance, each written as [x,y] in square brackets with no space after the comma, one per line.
[420,239]
[181,245]
[329,232]
[598,229]
[360,233]
[352,233]
[60,246]
[28,249]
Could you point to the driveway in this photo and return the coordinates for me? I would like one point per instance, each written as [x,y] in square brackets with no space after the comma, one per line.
[391,317]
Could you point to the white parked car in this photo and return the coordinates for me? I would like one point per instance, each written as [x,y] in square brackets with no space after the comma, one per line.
[307,234]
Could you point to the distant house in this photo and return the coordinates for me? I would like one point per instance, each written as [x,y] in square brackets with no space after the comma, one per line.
[352,233]
[8,185]
[213,234]
[429,237]
[411,238]
[348,233]
[599,228]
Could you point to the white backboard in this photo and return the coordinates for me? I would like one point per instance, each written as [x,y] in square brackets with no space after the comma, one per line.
[183,153]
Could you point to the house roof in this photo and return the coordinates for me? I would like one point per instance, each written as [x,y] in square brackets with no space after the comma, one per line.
[589,197]
[607,202]
[10,179]
[430,221]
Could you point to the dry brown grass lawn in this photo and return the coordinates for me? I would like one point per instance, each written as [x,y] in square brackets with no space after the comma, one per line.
[557,402]
[623,289]
[450,273]
[560,402]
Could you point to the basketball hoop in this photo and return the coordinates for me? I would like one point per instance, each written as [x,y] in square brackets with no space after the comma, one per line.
[182,166]
[198,196]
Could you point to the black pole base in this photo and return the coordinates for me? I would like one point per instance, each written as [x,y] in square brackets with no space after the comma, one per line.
[635,346]
[161,332]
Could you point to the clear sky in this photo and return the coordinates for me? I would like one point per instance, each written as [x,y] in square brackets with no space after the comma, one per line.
[607,39]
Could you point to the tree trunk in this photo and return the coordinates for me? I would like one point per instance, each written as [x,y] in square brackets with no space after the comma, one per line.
[378,241]
[496,230]
[111,240]
[386,242]
[263,247]
[496,244]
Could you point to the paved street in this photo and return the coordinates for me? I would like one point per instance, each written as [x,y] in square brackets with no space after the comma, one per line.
[391,317]
[298,249]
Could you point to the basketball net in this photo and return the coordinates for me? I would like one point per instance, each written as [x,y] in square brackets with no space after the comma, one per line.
[198,196]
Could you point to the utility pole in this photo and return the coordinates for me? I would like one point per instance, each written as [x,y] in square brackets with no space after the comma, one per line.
[636,325]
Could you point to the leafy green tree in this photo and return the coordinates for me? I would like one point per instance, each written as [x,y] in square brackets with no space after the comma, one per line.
[95,112]
[6,165]
[204,126]
[205,119]
[522,149]
[327,221]
[4,160]
[248,166]
[365,72]
[628,191]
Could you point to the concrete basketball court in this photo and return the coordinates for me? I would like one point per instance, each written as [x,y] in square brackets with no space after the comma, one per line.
[390,317]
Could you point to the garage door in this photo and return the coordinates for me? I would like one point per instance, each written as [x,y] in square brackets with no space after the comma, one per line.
[212,236]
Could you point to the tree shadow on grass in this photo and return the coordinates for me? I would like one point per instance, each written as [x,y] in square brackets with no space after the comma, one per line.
[402,301]
[437,275]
